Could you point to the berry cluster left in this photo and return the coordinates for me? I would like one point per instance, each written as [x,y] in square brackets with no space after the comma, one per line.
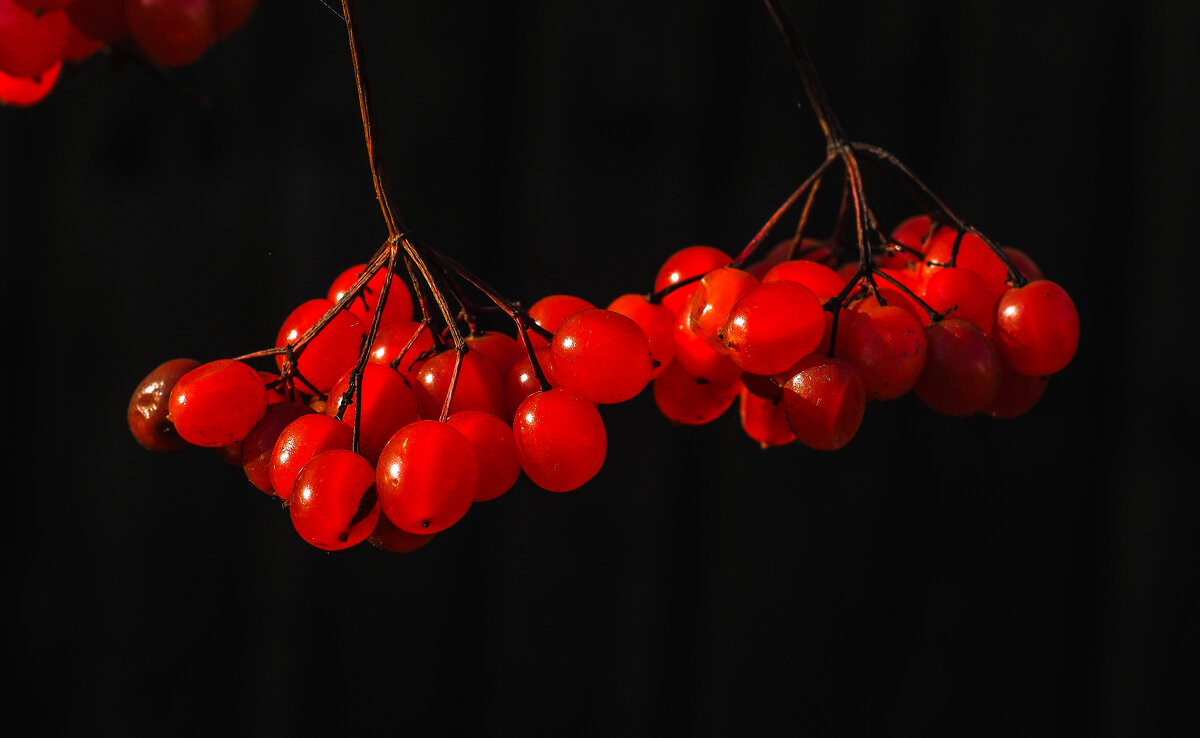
[37,36]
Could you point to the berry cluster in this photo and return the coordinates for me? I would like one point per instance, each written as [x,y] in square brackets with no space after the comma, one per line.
[37,36]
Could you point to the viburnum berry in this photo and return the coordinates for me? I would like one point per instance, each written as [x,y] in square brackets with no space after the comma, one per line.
[522,381]
[299,442]
[887,346]
[501,349]
[714,297]
[764,420]
[403,346]
[103,20]
[30,44]
[1037,328]
[217,403]
[388,537]
[331,351]
[492,439]
[478,386]
[427,477]
[388,404]
[823,281]
[963,293]
[657,323]
[560,438]
[172,32]
[686,399]
[149,407]
[258,447]
[773,326]
[973,254]
[22,92]
[550,311]
[333,503]
[699,357]
[397,309]
[913,235]
[602,355]
[824,401]
[962,370]
[684,264]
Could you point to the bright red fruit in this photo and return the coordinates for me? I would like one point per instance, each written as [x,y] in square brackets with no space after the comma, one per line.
[427,477]
[21,91]
[887,346]
[963,290]
[560,438]
[501,349]
[549,312]
[682,265]
[1037,328]
[773,326]
[300,441]
[30,44]
[522,382]
[492,439]
[391,342]
[823,281]
[716,294]
[686,399]
[962,370]
[217,403]
[478,386]
[333,503]
[602,355]
[764,420]
[824,401]
[973,254]
[397,309]
[699,357]
[148,408]
[331,352]
[259,445]
[389,406]
[656,321]
[914,233]
[173,32]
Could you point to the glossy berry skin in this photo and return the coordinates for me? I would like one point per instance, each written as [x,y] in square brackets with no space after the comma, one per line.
[699,357]
[30,44]
[962,371]
[602,355]
[824,401]
[709,306]
[656,322]
[823,281]
[478,386]
[397,309]
[148,407]
[492,439]
[333,503]
[299,442]
[685,399]
[172,32]
[522,381]
[973,254]
[1037,328]
[764,420]
[427,477]
[550,311]
[259,445]
[217,403]
[773,326]
[965,292]
[560,439]
[388,537]
[331,352]
[390,405]
[682,265]
[914,233]
[22,92]
[887,346]
[392,339]
[501,349]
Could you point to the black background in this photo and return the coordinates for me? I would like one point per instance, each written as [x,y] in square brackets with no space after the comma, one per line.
[987,578]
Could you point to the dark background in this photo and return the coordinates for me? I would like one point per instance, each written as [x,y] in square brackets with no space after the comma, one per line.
[1026,577]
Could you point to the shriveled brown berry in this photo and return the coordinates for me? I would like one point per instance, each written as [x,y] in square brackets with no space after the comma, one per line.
[147,413]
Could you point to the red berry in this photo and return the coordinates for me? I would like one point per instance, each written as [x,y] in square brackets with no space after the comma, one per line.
[478,386]
[656,322]
[217,403]
[961,369]
[501,349]
[602,355]
[699,357]
[686,399]
[393,339]
[963,290]
[148,408]
[522,382]
[913,233]
[397,309]
[1037,328]
[334,503]
[492,439]
[682,265]
[973,254]
[823,281]
[824,401]
[773,326]
[887,346]
[259,445]
[331,352]
[172,32]
[103,20]
[714,297]
[560,438]
[78,46]
[549,312]
[23,92]
[427,477]
[390,538]
[1024,263]
[299,442]
[764,420]
[389,406]
[30,44]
